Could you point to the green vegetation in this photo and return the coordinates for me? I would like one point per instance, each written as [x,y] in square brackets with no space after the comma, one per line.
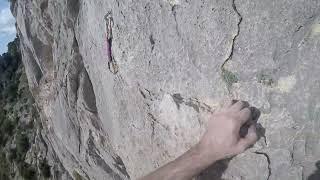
[77,176]
[13,49]
[12,154]
[7,127]
[22,144]
[4,167]
[265,79]
[17,115]
[27,171]
[229,78]
[45,169]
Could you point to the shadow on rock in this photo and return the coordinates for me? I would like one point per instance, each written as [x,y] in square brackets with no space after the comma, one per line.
[215,171]
[316,173]
[261,131]
[255,116]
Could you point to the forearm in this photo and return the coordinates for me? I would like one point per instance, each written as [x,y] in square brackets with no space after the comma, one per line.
[185,167]
[222,139]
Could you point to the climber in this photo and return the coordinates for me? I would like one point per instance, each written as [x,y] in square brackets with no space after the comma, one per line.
[223,139]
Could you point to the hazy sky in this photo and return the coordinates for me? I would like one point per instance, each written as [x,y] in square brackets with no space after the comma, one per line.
[7,25]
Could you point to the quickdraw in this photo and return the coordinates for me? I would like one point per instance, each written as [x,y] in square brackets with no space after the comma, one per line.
[112,65]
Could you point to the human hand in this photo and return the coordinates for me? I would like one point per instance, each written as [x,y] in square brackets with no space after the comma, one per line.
[222,138]
[226,136]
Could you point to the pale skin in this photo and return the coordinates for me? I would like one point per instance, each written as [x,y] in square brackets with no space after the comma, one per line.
[221,140]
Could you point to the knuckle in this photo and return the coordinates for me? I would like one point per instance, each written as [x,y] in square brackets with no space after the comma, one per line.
[255,137]
[234,120]
[231,120]
[233,101]
[243,147]
[240,103]
[247,110]
[245,113]
[234,126]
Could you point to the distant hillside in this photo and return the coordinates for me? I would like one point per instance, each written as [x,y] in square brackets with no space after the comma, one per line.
[18,121]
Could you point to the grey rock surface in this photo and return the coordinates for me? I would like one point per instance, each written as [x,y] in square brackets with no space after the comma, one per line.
[176,61]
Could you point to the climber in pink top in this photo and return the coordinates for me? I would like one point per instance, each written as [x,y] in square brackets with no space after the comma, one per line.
[223,138]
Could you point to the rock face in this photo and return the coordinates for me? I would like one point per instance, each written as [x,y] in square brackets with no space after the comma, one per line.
[117,107]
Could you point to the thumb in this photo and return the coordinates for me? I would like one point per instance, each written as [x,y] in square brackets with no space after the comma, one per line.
[249,139]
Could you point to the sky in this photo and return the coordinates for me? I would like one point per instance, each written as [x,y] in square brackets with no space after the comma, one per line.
[7,25]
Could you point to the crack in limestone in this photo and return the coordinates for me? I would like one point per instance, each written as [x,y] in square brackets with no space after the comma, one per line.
[191,102]
[174,12]
[235,36]
[154,120]
[224,71]
[268,160]
[79,138]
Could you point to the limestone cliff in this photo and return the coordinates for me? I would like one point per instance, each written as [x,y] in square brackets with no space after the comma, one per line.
[123,87]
